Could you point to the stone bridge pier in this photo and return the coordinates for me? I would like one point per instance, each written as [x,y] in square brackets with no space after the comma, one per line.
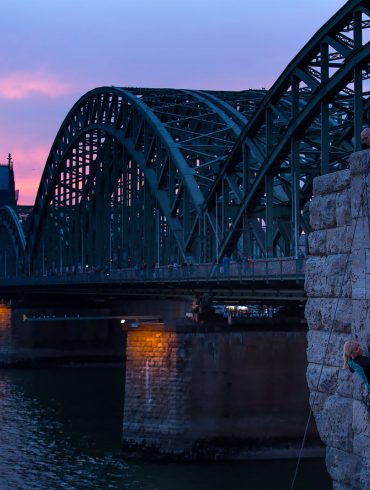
[206,392]
[337,309]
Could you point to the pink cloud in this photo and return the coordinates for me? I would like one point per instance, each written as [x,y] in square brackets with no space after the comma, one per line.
[19,85]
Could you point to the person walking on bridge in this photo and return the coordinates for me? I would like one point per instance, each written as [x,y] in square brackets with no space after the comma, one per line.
[357,361]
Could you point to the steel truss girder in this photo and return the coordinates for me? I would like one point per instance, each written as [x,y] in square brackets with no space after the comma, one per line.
[177,140]
[158,174]
[12,250]
[308,124]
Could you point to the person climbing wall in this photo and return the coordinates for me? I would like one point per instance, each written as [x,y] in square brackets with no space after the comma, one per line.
[357,361]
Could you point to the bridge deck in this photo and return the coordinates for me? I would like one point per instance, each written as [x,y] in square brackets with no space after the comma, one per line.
[280,279]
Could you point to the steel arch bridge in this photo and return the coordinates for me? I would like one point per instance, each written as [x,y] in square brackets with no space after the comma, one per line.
[149,175]
[307,125]
[127,176]
[13,243]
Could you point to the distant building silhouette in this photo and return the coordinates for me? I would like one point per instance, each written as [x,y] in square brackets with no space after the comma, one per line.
[8,194]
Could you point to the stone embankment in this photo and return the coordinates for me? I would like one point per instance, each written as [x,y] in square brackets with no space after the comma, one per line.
[337,309]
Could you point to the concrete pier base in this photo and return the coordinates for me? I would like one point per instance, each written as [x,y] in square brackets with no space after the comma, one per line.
[198,392]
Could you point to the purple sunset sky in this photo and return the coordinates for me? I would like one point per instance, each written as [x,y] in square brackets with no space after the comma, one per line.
[53,51]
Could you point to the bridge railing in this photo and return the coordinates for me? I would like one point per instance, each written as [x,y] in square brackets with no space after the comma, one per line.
[260,269]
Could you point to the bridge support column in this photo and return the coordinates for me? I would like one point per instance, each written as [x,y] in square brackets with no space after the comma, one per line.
[197,392]
[337,310]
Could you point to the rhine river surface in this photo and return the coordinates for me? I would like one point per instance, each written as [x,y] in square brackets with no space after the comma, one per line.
[61,429]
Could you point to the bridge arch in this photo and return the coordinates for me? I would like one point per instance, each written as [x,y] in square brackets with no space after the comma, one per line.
[13,244]
[307,125]
[223,172]
[92,208]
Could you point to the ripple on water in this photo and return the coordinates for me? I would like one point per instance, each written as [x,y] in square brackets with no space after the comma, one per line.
[61,430]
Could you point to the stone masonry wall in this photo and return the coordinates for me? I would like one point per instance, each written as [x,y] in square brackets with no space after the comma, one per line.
[204,393]
[337,309]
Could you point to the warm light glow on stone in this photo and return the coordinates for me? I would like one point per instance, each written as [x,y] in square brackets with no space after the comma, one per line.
[5,314]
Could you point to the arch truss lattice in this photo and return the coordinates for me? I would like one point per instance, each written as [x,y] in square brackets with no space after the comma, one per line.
[307,125]
[13,243]
[127,177]
[145,176]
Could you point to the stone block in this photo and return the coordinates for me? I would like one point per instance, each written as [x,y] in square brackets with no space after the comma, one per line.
[341,314]
[316,346]
[361,236]
[335,423]
[339,240]
[315,282]
[361,418]
[343,215]
[323,212]
[316,279]
[358,163]
[314,313]
[333,182]
[344,466]
[359,388]
[345,383]
[367,286]
[328,313]
[367,273]
[338,270]
[315,212]
[360,321]
[317,242]
[326,348]
[360,194]
[361,445]
[358,275]
[317,401]
[365,472]
[322,378]
[342,486]
[328,276]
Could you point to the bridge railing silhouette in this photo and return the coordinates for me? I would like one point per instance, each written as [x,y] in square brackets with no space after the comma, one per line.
[288,268]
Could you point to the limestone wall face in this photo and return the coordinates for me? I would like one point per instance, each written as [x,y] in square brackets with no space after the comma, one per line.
[337,309]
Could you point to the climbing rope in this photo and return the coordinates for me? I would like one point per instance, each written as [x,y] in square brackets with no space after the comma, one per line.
[363,200]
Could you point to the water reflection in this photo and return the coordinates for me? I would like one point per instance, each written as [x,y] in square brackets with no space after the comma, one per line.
[5,314]
[5,332]
[56,428]
[61,429]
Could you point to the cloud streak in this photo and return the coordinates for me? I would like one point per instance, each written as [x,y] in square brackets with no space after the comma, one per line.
[23,84]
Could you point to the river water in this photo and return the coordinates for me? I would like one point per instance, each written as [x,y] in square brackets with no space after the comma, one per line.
[60,428]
